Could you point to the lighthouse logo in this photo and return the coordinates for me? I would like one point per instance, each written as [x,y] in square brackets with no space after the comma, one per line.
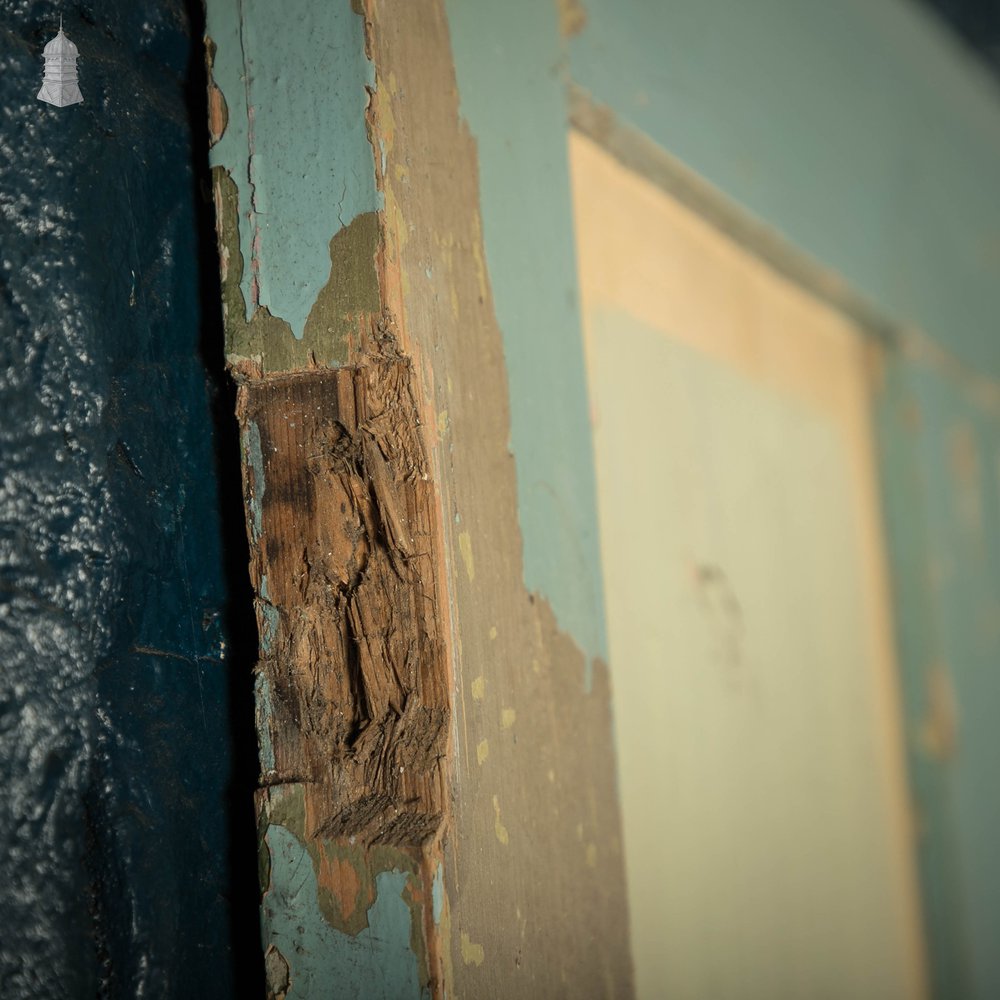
[60,85]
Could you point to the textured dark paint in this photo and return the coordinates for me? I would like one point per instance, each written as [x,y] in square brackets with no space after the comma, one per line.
[117,829]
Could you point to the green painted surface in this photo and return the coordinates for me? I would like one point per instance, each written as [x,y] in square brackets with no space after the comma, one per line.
[857,129]
[377,962]
[867,138]
[350,292]
[262,698]
[511,96]
[294,78]
[437,893]
[941,486]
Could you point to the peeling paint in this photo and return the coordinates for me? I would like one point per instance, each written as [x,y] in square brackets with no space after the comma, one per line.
[277,974]
[262,700]
[218,110]
[437,893]
[434,226]
[270,620]
[482,751]
[292,139]
[572,17]
[351,293]
[345,872]
[472,953]
[343,305]
[377,962]
[525,260]
[507,718]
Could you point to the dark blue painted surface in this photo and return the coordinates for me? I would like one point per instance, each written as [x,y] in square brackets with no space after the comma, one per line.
[116,831]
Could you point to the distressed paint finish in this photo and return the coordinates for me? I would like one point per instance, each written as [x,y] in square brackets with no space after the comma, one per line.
[293,78]
[939,432]
[351,689]
[533,887]
[336,915]
[512,99]
[342,310]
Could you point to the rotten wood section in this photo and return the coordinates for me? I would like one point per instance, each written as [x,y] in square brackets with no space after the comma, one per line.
[341,526]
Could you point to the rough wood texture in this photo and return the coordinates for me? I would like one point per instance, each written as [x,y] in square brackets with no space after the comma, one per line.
[341,532]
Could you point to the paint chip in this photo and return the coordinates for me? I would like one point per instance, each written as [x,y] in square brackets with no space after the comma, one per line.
[493,632]
[501,831]
[508,717]
[276,972]
[465,546]
[437,894]
[479,688]
[482,751]
[572,17]
[472,953]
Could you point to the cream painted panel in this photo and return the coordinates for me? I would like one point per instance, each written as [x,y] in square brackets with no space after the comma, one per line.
[769,850]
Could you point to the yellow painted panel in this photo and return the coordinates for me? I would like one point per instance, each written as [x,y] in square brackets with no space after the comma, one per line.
[769,848]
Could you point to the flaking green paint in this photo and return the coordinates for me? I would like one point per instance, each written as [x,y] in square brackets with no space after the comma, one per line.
[513,100]
[377,962]
[295,79]
[350,292]
[437,893]
[269,620]
[287,809]
[262,700]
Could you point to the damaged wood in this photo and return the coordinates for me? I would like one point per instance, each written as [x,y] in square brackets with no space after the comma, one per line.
[353,664]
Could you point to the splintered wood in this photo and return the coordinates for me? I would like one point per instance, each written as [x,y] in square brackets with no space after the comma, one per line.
[355,703]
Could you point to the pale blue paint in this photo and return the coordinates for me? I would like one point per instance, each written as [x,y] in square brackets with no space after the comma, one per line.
[946,569]
[437,893]
[377,963]
[506,61]
[270,620]
[255,457]
[262,699]
[859,130]
[863,133]
[304,166]
[866,137]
